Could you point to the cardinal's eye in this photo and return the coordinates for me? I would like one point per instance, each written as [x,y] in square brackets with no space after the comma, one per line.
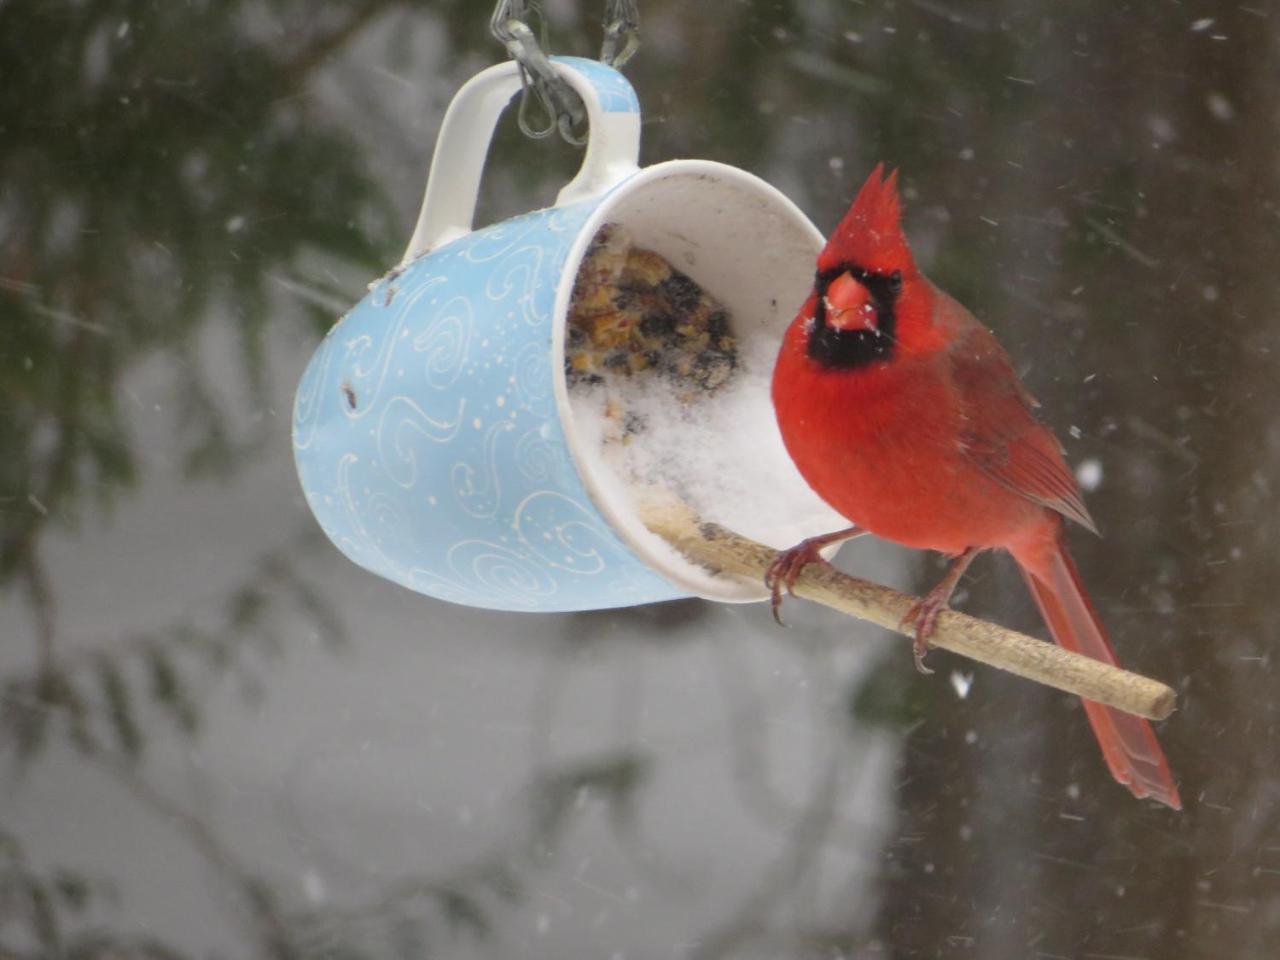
[895,282]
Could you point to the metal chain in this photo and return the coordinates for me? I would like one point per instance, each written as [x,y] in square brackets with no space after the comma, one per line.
[621,26]
[560,105]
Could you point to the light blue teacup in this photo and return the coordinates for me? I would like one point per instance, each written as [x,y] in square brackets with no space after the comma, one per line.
[432,429]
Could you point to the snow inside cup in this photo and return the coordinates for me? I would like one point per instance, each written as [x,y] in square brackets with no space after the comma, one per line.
[686,278]
[441,444]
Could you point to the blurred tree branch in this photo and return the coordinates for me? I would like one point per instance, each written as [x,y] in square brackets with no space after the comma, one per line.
[95,696]
[158,167]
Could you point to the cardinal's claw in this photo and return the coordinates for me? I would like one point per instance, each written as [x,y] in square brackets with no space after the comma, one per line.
[924,615]
[785,570]
[788,564]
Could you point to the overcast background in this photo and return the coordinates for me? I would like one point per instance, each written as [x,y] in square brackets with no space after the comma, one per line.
[221,739]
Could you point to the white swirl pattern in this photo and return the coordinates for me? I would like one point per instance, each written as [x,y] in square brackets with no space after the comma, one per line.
[427,441]
[307,401]
[491,243]
[532,369]
[478,488]
[539,459]
[403,428]
[562,533]
[445,342]
[515,279]
[513,578]
[368,355]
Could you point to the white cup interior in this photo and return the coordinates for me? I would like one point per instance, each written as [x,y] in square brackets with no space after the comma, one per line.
[752,249]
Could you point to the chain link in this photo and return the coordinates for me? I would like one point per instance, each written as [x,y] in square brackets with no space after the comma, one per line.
[559,104]
[621,28]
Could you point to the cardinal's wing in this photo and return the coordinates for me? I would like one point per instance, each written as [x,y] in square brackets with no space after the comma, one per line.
[1002,436]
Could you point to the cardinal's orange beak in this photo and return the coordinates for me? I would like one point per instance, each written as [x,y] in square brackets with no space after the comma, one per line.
[849,304]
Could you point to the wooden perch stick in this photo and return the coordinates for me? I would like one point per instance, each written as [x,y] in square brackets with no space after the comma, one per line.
[718,549]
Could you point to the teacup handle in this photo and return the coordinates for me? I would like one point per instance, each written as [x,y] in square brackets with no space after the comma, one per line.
[613,145]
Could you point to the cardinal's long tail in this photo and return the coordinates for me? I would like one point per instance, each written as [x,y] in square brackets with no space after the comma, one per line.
[1128,742]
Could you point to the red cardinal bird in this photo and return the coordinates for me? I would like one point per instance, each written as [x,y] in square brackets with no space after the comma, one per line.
[903,413]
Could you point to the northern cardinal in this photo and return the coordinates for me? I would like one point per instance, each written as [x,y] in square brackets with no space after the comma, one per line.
[905,415]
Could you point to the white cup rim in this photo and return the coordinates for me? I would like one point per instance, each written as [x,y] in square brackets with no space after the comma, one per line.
[650,548]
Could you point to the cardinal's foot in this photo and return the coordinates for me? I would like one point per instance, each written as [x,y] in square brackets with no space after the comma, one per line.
[924,616]
[786,567]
